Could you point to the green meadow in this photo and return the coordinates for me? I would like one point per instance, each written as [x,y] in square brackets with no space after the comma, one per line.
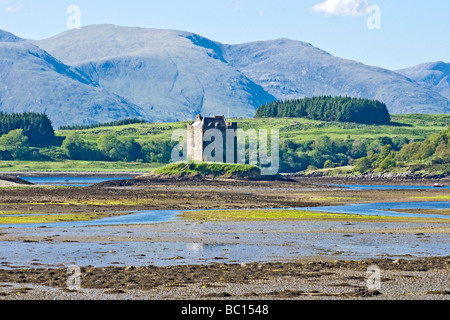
[76,166]
[415,127]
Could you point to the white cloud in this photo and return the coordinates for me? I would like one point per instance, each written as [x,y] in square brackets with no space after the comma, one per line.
[342,7]
[13,9]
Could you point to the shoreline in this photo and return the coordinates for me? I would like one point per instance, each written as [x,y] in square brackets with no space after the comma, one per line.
[377,179]
[310,279]
[366,180]
[63,174]
[315,256]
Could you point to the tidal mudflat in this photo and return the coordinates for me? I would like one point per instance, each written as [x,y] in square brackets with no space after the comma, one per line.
[188,258]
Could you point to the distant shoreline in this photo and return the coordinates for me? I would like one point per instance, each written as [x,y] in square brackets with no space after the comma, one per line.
[388,179]
[373,180]
[93,174]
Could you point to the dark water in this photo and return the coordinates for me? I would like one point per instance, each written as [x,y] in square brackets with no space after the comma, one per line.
[69,181]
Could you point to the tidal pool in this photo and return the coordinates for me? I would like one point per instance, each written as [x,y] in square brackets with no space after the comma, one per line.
[230,242]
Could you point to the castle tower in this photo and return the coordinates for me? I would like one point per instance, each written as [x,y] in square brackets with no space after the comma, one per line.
[196,143]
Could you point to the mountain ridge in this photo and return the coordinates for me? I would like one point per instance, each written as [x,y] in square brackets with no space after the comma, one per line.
[171,75]
[306,69]
[33,80]
[432,75]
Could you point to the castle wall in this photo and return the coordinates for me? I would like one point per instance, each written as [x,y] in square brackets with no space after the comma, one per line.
[195,143]
[195,138]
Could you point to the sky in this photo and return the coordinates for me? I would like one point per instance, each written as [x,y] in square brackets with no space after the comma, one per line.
[392,34]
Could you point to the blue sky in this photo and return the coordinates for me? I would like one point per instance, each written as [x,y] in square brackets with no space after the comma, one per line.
[412,32]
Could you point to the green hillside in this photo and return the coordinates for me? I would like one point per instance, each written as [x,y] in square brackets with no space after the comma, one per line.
[304,143]
[431,155]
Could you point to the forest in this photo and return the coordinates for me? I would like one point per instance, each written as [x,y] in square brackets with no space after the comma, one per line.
[36,127]
[326,108]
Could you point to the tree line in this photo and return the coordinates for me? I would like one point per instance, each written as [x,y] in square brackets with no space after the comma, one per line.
[36,127]
[111,148]
[30,136]
[433,152]
[123,122]
[324,152]
[327,108]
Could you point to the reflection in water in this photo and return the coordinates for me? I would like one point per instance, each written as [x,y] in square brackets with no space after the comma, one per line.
[194,248]
[194,252]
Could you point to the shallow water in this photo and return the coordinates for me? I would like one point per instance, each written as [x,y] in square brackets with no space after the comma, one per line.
[232,242]
[134,218]
[378,209]
[163,216]
[68,181]
[182,242]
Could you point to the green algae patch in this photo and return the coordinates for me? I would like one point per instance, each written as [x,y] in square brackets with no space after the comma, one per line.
[32,218]
[268,215]
[433,198]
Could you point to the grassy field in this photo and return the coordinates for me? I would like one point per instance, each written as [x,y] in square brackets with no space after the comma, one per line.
[75,166]
[412,127]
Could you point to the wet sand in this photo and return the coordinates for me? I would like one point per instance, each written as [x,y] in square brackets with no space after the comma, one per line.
[199,195]
[322,274]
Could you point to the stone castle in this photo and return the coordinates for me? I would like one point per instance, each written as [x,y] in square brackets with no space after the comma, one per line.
[198,139]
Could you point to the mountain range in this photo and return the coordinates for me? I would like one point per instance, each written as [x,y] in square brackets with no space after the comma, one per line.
[102,73]
[434,76]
